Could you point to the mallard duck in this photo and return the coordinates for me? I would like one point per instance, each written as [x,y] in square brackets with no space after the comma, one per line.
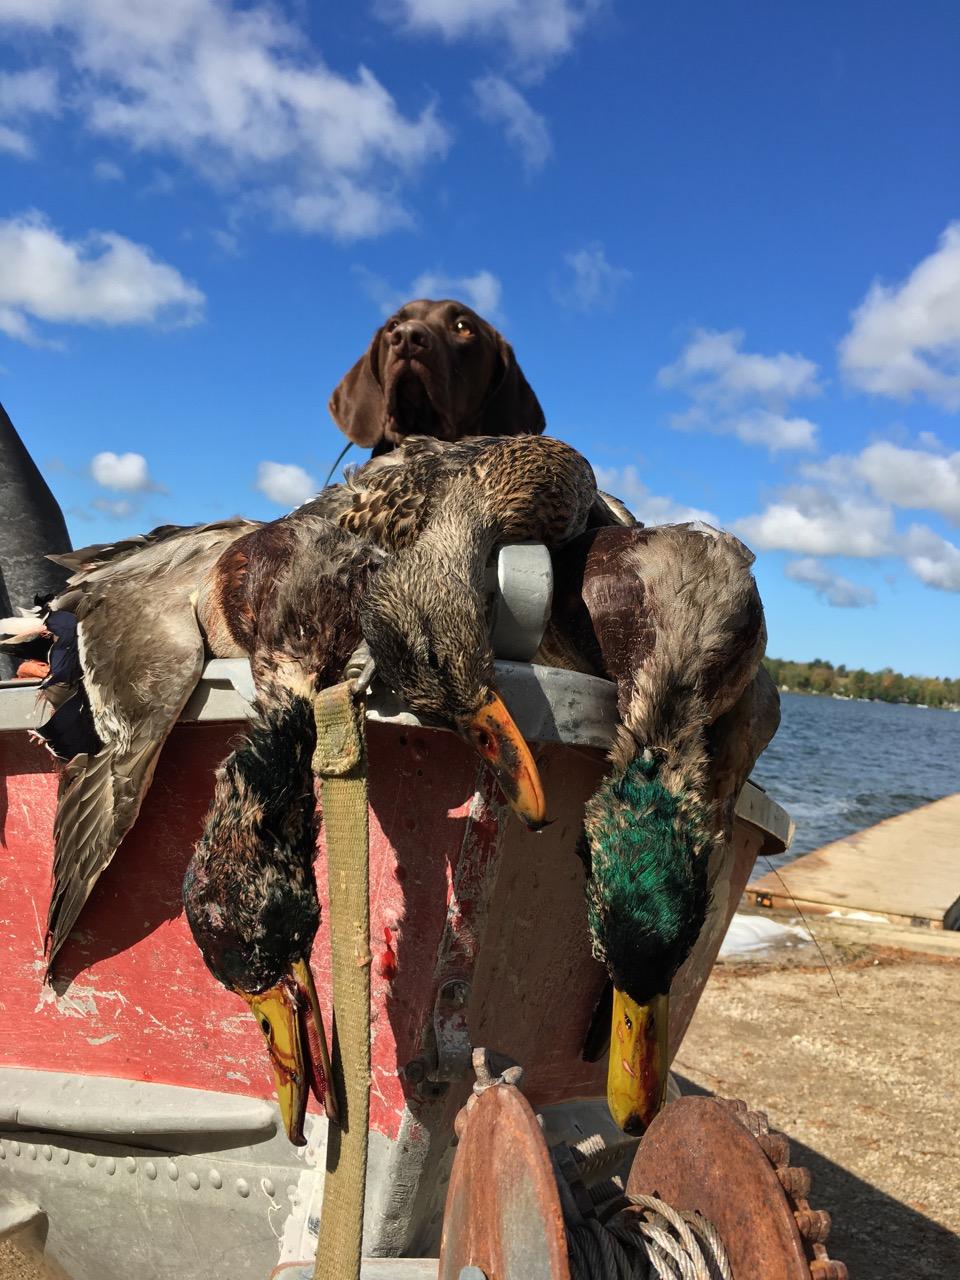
[249,891]
[672,615]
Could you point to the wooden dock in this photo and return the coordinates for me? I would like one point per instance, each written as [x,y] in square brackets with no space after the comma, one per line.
[905,870]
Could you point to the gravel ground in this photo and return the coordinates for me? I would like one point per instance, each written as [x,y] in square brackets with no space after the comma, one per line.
[865,1084]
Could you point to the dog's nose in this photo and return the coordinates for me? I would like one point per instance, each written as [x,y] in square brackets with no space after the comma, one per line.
[410,338]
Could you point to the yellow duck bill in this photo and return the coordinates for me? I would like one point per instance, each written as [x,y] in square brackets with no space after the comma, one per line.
[290,1019]
[637,1069]
[493,734]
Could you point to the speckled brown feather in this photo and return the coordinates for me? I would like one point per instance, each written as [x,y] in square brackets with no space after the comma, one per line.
[529,488]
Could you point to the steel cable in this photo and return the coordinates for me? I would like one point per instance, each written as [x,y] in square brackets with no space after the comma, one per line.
[645,1240]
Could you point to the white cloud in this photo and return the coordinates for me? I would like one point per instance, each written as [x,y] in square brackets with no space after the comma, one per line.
[742,393]
[714,369]
[905,339]
[103,279]
[22,94]
[107,171]
[829,586]
[237,92]
[815,522]
[28,92]
[285,483]
[127,472]
[625,483]
[913,478]
[593,282]
[931,558]
[14,142]
[116,508]
[775,431]
[536,32]
[481,291]
[500,103]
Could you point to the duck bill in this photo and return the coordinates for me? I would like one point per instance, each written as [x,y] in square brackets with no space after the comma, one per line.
[492,733]
[318,1055]
[637,1070]
[289,1017]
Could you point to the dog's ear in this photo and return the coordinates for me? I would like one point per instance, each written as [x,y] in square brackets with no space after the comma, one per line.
[357,404]
[511,408]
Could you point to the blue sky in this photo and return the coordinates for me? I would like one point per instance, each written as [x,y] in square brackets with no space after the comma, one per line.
[724,240]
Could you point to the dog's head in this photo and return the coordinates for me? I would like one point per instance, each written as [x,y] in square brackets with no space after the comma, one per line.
[435,369]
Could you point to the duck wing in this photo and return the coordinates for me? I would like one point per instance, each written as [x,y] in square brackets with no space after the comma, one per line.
[142,652]
[171,543]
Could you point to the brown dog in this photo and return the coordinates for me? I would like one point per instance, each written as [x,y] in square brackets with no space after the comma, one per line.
[435,369]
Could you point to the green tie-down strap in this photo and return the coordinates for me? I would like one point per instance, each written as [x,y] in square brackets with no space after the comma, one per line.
[340,760]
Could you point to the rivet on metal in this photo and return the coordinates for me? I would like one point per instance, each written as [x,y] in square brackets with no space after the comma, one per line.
[173,1173]
[131,1164]
[111,1165]
[92,1161]
[31,1152]
[266,1185]
[3,1154]
[215,1179]
[64,1157]
[243,1187]
[194,1180]
[16,1148]
[47,1152]
[150,1169]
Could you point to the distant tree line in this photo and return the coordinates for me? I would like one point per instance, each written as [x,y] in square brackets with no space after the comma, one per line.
[887,685]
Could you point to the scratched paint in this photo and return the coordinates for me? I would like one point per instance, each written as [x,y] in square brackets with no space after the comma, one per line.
[455,879]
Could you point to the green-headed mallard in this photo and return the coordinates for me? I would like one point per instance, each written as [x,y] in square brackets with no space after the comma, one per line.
[672,615]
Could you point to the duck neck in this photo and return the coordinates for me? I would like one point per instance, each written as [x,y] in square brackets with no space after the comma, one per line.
[459,540]
[263,796]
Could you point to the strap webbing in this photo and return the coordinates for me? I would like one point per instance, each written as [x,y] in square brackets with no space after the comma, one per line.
[340,760]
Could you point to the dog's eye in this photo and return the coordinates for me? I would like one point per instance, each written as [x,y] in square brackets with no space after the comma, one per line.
[391,325]
[463,326]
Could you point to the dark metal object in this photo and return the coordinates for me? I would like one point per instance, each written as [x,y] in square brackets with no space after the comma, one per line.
[503,1212]
[31,526]
[720,1159]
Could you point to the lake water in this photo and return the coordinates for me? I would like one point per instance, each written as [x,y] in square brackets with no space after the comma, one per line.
[837,767]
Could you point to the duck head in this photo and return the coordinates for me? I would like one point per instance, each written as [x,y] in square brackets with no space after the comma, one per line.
[647,901]
[251,899]
[425,621]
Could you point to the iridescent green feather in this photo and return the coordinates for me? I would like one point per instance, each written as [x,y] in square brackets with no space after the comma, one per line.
[647,893]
